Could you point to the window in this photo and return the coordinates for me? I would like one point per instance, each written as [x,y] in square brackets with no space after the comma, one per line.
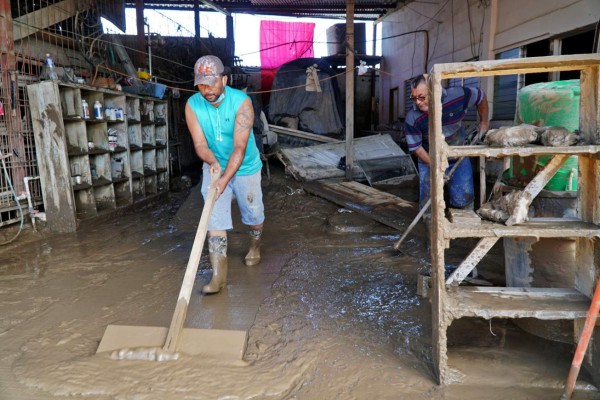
[582,43]
[505,89]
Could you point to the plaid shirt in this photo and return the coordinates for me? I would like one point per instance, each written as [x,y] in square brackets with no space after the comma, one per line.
[455,103]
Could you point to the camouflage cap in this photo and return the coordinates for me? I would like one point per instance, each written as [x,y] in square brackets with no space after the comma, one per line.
[207,70]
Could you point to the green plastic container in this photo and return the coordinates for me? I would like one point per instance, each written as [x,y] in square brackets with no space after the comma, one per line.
[552,104]
[565,178]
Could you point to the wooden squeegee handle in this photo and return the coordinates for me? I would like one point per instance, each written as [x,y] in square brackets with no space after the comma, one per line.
[174,333]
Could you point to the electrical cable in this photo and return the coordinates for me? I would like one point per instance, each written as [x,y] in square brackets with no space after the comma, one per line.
[12,190]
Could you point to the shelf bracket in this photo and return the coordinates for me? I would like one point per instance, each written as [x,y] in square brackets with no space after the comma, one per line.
[471,261]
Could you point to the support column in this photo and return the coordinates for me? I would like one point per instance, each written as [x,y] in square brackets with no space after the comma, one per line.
[10,89]
[349,89]
[141,33]
[230,40]
[197,19]
[7,44]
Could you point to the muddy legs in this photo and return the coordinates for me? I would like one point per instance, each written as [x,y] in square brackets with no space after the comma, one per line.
[253,256]
[217,251]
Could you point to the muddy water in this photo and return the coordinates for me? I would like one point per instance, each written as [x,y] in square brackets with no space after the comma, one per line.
[341,320]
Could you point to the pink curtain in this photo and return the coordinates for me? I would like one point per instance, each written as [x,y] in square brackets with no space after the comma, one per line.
[281,42]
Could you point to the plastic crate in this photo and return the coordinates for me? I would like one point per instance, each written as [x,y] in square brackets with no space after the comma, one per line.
[148,89]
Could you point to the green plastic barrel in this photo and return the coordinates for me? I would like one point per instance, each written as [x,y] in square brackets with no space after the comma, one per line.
[546,262]
[552,104]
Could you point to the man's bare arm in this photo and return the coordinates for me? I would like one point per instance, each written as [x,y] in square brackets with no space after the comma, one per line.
[244,120]
[484,118]
[423,155]
[198,138]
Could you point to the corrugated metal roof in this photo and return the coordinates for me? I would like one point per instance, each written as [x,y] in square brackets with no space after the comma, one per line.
[363,9]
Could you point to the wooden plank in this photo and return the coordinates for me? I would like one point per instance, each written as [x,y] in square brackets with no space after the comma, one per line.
[462,216]
[522,151]
[482,248]
[50,144]
[438,166]
[588,256]
[375,204]
[280,130]
[43,18]
[494,302]
[534,187]
[516,66]
[349,128]
[533,228]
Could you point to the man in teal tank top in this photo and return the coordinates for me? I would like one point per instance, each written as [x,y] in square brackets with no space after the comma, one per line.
[220,120]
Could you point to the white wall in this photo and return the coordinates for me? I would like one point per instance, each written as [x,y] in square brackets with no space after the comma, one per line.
[520,22]
[456,34]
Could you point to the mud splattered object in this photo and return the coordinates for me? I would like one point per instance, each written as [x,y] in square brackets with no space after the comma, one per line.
[500,209]
[512,136]
[521,135]
[558,136]
[144,353]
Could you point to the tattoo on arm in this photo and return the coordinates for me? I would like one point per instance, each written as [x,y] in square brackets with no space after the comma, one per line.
[244,118]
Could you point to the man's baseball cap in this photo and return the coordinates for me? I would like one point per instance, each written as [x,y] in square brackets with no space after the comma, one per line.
[207,70]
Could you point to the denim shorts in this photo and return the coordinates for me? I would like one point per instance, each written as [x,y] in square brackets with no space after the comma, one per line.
[248,194]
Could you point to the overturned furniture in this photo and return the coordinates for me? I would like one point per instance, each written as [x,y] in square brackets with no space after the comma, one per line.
[451,301]
[378,158]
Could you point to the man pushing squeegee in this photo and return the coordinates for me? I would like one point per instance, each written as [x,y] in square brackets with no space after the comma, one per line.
[220,121]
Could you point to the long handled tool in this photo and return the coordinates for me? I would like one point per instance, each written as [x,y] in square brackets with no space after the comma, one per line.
[586,334]
[156,343]
[476,137]
[425,207]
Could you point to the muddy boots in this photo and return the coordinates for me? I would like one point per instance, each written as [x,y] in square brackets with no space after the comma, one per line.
[253,256]
[217,252]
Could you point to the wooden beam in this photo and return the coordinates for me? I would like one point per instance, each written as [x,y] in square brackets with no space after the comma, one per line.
[482,248]
[514,302]
[517,66]
[141,33]
[229,41]
[349,89]
[215,7]
[439,163]
[305,135]
[7,43]
[44,18]
[534,188]
[197,19]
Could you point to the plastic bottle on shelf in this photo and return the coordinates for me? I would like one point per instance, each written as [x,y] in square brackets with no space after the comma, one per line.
[98,110]
[50,71]
[85,108]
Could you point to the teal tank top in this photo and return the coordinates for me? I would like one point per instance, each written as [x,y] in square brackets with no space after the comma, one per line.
[218,123]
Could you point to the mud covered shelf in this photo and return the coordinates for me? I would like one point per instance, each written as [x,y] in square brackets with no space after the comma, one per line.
[449,300]
[102,160]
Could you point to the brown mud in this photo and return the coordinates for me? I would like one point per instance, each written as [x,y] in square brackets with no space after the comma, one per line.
[332,313]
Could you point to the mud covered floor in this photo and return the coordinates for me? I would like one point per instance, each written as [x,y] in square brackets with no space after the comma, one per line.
[332,313]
